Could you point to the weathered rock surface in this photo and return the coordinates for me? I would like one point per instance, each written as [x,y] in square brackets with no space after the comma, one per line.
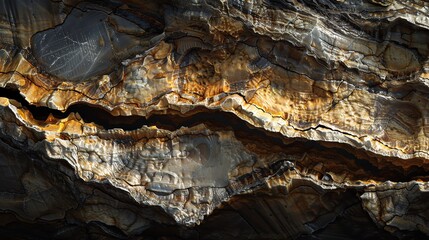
[214,119]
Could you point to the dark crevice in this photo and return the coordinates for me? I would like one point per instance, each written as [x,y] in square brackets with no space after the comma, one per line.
[100,116]
[353,223]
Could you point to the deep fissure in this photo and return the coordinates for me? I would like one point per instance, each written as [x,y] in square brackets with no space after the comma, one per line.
[100,116]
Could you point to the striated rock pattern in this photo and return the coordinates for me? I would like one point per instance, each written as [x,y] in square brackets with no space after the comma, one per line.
[214,119]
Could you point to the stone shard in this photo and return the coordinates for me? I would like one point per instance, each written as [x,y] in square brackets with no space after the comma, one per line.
[214,119]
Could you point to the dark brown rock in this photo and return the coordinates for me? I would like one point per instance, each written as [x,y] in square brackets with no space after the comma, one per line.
[214,119]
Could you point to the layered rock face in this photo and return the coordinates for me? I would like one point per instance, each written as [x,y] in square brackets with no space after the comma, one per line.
[215,119]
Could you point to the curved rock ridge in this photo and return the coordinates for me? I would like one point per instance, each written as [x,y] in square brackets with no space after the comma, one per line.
[292,119]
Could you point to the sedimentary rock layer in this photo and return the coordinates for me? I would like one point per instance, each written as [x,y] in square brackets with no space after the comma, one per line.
[214,119]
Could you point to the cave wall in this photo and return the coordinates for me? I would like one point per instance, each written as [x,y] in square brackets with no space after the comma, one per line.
[215,119]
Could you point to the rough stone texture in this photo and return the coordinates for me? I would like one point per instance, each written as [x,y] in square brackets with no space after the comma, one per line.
[215,119]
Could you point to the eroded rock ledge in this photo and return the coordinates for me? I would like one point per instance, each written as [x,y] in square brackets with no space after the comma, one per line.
[214,119]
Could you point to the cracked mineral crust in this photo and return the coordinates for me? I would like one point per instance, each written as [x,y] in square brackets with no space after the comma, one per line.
[214,119]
